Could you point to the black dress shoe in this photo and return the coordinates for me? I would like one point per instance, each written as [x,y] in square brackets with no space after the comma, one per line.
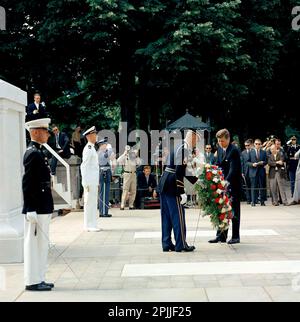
[106,216]
[169,249]
[217,240]
[38,287]
[263,204]
[186,249]
[48,284]
[253,204]
[234,241]
[131,208]
[122,208]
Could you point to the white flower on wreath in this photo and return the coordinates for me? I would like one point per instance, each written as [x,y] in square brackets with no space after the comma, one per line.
[207,166]
[221,201]
[219,191]
[216,180]
[215,172]
[223,183]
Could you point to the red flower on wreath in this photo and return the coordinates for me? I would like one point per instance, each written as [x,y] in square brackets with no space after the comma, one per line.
[222,217]
[213,187]
[220,186]
[209,176]
[217,200]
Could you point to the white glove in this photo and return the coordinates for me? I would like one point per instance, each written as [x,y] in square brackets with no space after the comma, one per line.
[183,199]
[87,188]
[32,217]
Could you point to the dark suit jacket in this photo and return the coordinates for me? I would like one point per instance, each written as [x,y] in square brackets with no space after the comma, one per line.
[142,181]
[274,167]
[30,112]
[36,184]
[172,183]
[209,159]
[231,166]
[259,170]
[245,165]
[64,143]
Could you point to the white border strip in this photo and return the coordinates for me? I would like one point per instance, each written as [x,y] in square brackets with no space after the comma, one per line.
[211,268]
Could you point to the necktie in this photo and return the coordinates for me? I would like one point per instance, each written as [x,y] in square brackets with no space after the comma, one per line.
[57,143]
[257,155]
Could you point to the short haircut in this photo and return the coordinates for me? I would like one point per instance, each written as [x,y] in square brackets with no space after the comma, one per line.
[224,133]
[147,167]
[249,141]
[278,140]
[36,94]
[258,140]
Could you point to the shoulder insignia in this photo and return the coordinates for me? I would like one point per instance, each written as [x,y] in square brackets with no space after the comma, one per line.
[89,146]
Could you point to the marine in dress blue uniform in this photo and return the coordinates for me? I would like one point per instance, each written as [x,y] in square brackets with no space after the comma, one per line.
[37,208]
[172,198]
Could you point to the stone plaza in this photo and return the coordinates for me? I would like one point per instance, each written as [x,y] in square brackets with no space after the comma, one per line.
[125,263]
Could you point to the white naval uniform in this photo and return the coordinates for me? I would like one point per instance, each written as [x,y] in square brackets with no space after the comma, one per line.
[36,247]
[90,182]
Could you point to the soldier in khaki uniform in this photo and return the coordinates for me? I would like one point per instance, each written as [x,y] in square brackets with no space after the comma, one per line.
[129,161]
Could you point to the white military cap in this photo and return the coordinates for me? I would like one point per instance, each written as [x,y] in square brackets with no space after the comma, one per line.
[38,124]
[90,131]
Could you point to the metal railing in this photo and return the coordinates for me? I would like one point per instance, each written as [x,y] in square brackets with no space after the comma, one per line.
[68,196]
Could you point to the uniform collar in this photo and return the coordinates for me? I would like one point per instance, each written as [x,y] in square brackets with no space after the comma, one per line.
[36,144]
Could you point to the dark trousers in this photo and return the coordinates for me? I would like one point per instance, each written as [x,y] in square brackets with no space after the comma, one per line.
[236,220]
[140,195]
[247,185]
[258,188]
[292,175]
[105,179]
[53,162]
[172,218]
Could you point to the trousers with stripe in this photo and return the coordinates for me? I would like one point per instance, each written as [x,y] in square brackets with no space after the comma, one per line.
[172,218]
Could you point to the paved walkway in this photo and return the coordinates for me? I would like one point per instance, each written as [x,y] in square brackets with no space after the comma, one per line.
[124,262]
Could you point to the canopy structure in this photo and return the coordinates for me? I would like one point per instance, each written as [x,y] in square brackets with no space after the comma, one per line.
[188,121]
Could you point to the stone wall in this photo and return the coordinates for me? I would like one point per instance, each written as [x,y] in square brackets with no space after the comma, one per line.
[12,147]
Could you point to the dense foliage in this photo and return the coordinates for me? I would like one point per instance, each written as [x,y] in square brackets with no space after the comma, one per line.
[147,61]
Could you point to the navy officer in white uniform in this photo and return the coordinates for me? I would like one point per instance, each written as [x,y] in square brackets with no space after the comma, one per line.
[90,180]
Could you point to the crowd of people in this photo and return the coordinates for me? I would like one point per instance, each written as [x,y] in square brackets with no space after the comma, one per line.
[268,167]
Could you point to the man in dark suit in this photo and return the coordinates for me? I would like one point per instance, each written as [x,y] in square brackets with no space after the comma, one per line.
[62,147]
[146,186]
[209,156]
[229,160]
[36,110]
[257,172]
[292,149]
[173,197]
[245,169]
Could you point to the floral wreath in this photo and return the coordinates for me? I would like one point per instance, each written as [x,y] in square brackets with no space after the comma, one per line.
[214,197]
